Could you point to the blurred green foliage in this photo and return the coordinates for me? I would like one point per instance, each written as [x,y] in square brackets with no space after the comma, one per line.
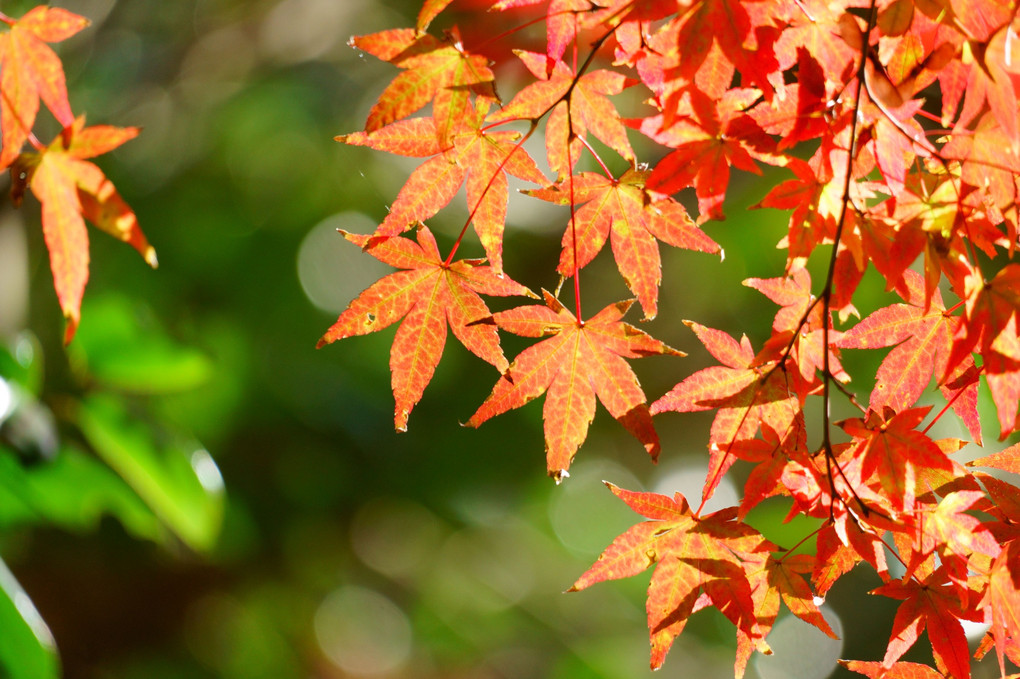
[319,543]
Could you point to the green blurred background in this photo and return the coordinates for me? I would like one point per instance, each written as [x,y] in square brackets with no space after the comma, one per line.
[191,490]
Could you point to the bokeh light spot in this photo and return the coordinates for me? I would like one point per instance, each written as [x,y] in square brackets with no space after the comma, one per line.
[801,650]
[584,514]
[688,479]
[331,270]
[395,537]
[362,632]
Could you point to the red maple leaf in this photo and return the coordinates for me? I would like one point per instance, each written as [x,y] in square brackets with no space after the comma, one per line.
[716,135]
[622,210]
[931,604]
[990,327]
[893,454]
[428,294]
[30,71]
[1002,601]
[71,189]
[749,393]
[581,361]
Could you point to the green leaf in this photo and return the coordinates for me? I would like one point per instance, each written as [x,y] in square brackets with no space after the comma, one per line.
[122,347]
[28,650]
[179,482]
[74,491]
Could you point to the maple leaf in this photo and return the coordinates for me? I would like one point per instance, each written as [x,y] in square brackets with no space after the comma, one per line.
[748,394]
[987,159]
[580,361]
[1007,459]
[435,70]
[577,104]
[961,534]
[742,33]
[717,135]
[479,158]
[815,27]
[989,81]
[900,670]
[922,336]
[783,579]
[930,603]
[893,453]
[698,561]
[1002,600]
[29,71]
[428,294]
[430,9]
[71,190]
[991,324]
[621,208]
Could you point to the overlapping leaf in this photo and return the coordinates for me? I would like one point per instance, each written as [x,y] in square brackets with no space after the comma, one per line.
[894,454]
[922,337]
[30,71]
[734,84]
[477,158]
[581,360]
[436,70]
[71,189]
[699,561]
[576,104]
[934,606]
[429,295]
[621,209]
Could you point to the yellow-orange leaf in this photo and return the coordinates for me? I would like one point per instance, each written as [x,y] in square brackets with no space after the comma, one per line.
[29,71]
[71,189]
[428,294]
[580,361]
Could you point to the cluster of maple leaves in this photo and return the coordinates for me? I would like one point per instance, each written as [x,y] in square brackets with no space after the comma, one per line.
[898,121]
[68,186]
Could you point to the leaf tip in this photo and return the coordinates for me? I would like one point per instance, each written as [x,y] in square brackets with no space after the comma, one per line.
[71,328]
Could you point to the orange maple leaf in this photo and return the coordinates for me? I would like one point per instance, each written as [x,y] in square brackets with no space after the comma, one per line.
[577,105]
[429,295]
[580,361]
[30,71]
[1002,600]
[621,208]
[699,562]
[749,395]
[436,70]
[477,158]
[923,336]
[70,190]
[900,670]
[430,9]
